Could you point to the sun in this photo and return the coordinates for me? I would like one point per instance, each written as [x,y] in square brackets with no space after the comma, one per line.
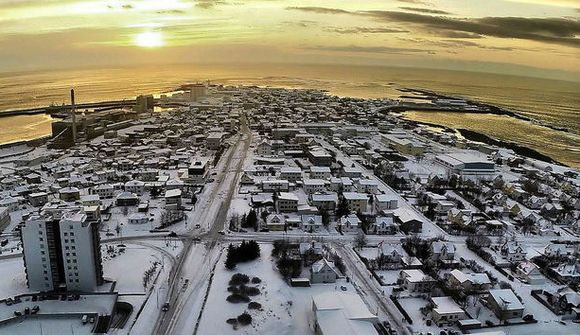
[149,39]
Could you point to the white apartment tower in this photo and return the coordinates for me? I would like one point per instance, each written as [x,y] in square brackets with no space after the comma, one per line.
[62,254]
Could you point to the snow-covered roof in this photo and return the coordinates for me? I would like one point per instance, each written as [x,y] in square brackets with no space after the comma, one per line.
[506,299]
[474,278]
[446,305]
[288,196]
[355,196]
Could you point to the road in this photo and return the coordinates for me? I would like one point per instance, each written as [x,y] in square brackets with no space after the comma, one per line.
[211,215]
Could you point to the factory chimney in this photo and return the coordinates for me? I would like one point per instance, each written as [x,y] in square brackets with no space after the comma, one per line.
[73,116]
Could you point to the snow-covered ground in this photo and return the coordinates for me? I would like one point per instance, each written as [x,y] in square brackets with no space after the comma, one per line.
[13,280]
[285,310]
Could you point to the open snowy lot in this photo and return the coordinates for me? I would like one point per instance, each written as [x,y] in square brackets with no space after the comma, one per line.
[13,280]
[285,310]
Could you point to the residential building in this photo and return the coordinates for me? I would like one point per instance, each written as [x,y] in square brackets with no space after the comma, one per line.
[287,202]
[320,172]
[415,280]
[505,304]
[469,281]
[446,311]
[357,202]
[312,186]
[349,223]
[62,253]
[323,271]
[292,174]
[342,313]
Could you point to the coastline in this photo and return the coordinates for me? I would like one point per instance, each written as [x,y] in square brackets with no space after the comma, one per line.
[482,138]
[489,109]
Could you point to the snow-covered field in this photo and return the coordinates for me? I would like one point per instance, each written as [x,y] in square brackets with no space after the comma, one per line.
[285,310]
[13,281]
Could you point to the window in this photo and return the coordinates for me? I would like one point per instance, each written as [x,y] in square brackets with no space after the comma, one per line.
[72,233]
[65,234]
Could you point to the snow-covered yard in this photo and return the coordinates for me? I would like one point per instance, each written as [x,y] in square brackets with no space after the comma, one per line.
[13,280]
[285,310]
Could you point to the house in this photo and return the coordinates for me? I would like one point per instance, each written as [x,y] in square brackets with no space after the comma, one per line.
[557,250]
[292,174]
[312,186]
[135,186]
[513,252]
[469,281]
[38,199]
[505,304]
[367,186]
[138,218]
[311,252]
[323,271]
[568,273]
[173,198]
[311,223]
[320,172]
[442,251]
[415,280]
[287,202]
[408,221]
[530,273]
[357,202]
[568,299]
[393,252]
[342,313]
[90,200]
[351,172]
[264,148]
[9,202]
[383,225]
[104,191]
[69,194]
[385,202]
[275,222]
[276,185]
[325,201]
[446,311]
[127,199]
[349,223]
[343,184]
[459,216]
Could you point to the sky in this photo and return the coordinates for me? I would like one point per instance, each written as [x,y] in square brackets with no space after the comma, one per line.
[513,36]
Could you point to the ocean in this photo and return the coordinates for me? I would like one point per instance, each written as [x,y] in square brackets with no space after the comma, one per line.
[548,102]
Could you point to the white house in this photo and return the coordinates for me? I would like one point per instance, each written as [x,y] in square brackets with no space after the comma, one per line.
[349,223]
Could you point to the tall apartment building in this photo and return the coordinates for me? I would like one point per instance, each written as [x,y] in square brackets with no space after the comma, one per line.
[62,254]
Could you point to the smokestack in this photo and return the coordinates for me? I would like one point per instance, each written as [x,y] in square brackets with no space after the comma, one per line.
[73,116]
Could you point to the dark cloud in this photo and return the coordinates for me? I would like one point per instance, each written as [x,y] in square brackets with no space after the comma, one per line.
[458,34]
[426,10]
[550,30]
[560,31]
[208,4]
[171,11]
[365,30]
[417,2]
[320,10]
[361,49]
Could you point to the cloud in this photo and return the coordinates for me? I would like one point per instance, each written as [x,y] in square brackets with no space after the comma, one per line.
[550,30]
[320,10]
[364,49]
[365,30]
[208,4]
[426,10]
[417,2]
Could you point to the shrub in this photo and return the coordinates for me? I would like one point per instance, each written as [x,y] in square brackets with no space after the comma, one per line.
[232,321]
[254,305]
[245,318]
[256,280]
[237,298]
[249,290]
[239,278]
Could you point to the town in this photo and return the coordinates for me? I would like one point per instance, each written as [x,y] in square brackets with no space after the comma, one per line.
[249,210]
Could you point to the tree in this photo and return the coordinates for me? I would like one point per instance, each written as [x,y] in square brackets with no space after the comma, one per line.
[372,202]
[193,199]
[360,241]
[154,192]
[230,258]
[325,218]
[342,208]
[251,220]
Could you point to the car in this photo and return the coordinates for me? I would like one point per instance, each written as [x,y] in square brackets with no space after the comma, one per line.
[27,311]
[221,232]
[17,313]
[343,288]
[165,307]
[85,319]
[35,309]
[92,320]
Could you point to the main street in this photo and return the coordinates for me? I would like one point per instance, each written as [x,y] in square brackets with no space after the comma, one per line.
[210,214]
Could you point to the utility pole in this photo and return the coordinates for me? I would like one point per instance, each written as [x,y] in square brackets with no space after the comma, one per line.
[73,116]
